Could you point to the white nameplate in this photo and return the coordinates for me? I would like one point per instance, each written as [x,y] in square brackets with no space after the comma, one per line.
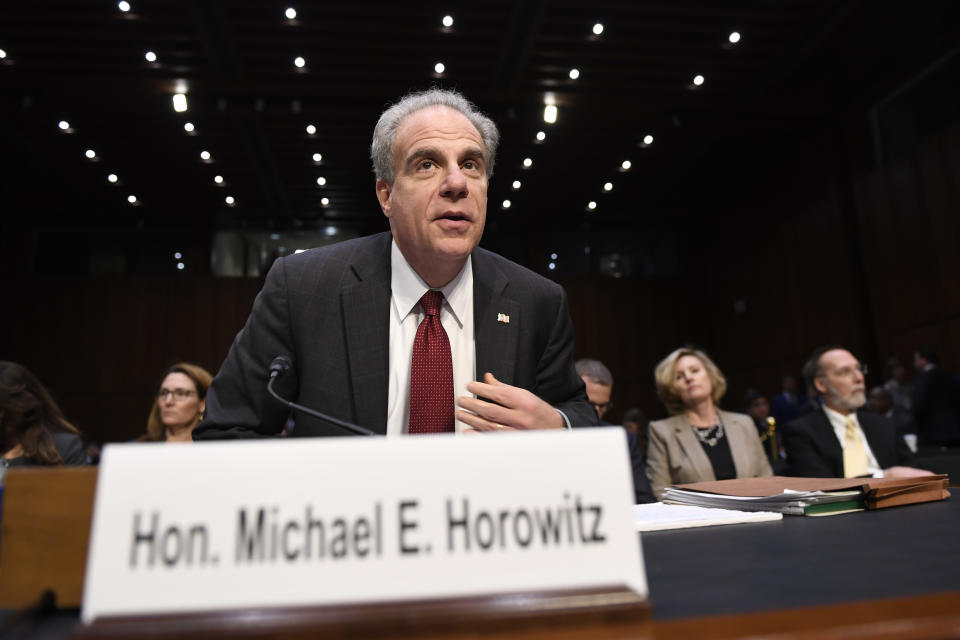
[297,522]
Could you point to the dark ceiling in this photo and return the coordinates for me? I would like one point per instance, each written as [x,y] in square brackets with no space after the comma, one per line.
[798,62]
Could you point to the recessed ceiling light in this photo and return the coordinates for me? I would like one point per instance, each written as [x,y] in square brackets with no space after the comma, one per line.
[321,181]
[448,21]
[90,153]
[574,74]
[204,155]
[218,179]
[150,56]
[180,266]
[550,113]
[132,199]
[591,205]
[516,184]
[177,255]
[506,204]
[528,162]
[317,157]
[439,67]
[3,54]
[123,6]
[179,102]
[697,80]
[552,266]
[541,136]
[324,201]
[734,37]
[648,139]
[625,165]
[299,62]
[597,29]
[311,129]
[64,125]
[608,186]
[188,127]
[229,200]
[112,177]
[553,256]
[290,13]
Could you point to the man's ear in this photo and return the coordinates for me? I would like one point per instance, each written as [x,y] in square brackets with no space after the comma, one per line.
[820,385]
[384,189]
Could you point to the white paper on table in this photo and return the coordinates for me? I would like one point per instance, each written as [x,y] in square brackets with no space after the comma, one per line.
[658,516]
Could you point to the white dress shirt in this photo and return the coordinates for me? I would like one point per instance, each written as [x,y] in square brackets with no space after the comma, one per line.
[839,423]
[456,316]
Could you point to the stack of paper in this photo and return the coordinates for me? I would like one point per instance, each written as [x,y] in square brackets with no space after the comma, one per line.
[795,503]
[659,516]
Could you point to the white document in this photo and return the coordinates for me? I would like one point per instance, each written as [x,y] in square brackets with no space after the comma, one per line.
[299,522]
[659,516]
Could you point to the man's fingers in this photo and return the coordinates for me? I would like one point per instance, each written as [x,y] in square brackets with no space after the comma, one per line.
[491,412]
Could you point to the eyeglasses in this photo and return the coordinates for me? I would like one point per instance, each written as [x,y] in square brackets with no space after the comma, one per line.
[178,394]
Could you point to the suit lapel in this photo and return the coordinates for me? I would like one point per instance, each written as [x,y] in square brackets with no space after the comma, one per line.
[496,320]
[823,432]
[366,308]
[692,448]
[739,448]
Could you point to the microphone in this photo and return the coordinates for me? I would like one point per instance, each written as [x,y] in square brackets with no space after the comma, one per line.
[278,367]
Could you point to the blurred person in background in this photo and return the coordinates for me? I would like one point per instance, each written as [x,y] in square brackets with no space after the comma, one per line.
[33,429]
[699,442]
[178,404]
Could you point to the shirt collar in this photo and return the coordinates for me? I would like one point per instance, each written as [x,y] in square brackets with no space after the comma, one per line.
[839,421]
[408,287]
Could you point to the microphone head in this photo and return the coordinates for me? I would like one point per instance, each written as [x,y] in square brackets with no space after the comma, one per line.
[279,366]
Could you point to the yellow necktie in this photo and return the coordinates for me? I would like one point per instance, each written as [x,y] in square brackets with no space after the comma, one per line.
[854,455]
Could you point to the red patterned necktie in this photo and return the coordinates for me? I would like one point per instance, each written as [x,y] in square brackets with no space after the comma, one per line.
[431,372]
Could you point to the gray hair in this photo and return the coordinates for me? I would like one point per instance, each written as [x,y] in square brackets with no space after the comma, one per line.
[595,370]
[385,133]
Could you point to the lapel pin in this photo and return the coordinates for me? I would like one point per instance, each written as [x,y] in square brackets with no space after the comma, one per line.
[504,318]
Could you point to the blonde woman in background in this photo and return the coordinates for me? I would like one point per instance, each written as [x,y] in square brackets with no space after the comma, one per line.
[178,404]
[699,442]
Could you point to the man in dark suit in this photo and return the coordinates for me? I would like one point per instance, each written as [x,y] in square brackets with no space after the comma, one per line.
[351,316]
[840,440]
[936,403]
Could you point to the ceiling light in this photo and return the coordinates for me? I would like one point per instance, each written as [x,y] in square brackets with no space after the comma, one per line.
[553,256]
[506,204]
[180,266]
[591,205]
[150,56]
[204,155]
[3,54]
[625,165]
[330,230]
[299,62]
[697,80]
[112,177]
[188,127]
[439,68]
[448,21]
[648,139]
[317,157]
[290,13]
[123,6]
[574,74]
[516,184]
[218,179]
[132,199]
[734,37]
[229,200]
[90,153]
[528,162]
[177,255]
[321,181]
[311,129]
[552,266]
[541,136]
[64,125]
[324,201]
[179,102]
[597,29]
[550,113]
[608,186]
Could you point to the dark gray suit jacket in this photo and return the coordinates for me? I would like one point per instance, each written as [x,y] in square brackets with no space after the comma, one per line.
[814,451]
[328,309]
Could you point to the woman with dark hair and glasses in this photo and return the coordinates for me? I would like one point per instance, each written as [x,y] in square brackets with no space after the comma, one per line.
[33,430]
[179,404]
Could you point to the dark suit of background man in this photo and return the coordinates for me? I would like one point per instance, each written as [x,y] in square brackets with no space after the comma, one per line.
[936,403]
[838,440]
[347,314]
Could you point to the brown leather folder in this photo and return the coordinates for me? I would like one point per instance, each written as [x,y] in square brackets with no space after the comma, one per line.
[878,493]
